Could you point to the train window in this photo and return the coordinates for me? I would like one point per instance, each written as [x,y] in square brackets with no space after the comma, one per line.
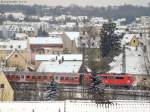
[71,78]
[17,77]
[119,77]
[56,78]
[8,76]
[66,78]
[108,77]
[39,77]
[33,77]
[76,78]
[27,76]
[61,78]
[44,77]
[105,77]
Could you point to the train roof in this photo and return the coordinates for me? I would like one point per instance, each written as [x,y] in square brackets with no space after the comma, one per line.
[119,75]
[40,73]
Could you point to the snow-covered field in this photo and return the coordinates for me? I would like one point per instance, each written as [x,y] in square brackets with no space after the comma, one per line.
[76,106]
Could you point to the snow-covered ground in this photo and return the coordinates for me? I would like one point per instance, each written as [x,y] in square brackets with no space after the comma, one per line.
[76,106]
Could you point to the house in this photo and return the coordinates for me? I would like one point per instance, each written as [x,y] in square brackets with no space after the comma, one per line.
[45,45]
[7,46]
[18,60]
[131,39]
[6,91]
[70,41]
[56,57]
[72,67]
[65,63]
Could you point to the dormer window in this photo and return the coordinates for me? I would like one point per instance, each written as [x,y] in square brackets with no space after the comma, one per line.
[19,46]
[16,55]
[11,46]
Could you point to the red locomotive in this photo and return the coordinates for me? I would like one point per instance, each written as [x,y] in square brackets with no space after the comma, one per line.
[117,79]
[70,79]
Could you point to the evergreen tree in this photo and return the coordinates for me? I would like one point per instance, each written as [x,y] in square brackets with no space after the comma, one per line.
[96,90]
[110,43]
[52,91]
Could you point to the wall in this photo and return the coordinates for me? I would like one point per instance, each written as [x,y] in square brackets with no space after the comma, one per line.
[6,94]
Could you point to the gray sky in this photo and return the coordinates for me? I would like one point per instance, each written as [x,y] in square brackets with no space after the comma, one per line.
[89,2]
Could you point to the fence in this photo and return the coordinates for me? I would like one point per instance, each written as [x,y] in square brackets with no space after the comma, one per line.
[76,106]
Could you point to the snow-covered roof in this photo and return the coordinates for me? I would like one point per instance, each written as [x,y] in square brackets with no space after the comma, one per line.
[46,18]
[72,35]
[119,31]
[20,36]
[64,67]
[15,14]
[67,57]
[55,33]
[13,44]
[45,40]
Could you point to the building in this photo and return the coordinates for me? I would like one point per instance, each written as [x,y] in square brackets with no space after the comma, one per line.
[15,52]
[15,15]
[45,45]
[18,60]
[70,41]
[30,28]
[132,40]
[7,46]
[145,31]
[6,91]
[64,63]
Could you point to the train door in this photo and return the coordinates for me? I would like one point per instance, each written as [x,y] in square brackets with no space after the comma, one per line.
[57,79]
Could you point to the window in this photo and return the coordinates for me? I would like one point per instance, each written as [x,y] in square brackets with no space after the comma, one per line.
[33,77]
[1,85]
[61,78]
[119,77]
[11,46]
[16,55]
[39,77]
[66,78]
[71,78]
[44,77]
[56,78]
[76,78]
[19,46]
[27,77]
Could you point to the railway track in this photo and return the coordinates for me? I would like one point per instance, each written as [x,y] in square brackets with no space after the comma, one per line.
[80,89]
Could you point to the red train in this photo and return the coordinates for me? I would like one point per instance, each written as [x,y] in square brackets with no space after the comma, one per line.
[117,79]
[71,79]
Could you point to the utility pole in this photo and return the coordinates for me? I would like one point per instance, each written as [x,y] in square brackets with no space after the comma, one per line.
[124,60]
